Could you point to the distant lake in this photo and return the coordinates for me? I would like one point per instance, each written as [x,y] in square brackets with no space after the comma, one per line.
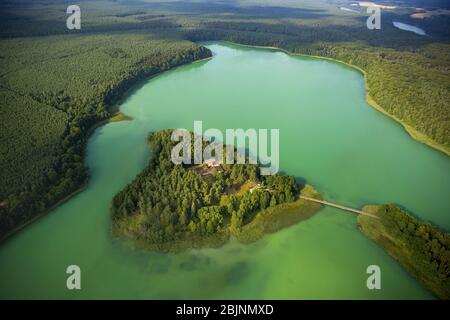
[408,27]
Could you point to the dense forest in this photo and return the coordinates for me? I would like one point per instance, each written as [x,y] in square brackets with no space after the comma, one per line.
[208,202]
[57,84]
[53,93]
[420,247]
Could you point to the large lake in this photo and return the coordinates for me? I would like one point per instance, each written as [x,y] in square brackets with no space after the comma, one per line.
[329,135]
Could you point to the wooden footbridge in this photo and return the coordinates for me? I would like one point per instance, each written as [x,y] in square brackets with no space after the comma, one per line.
[338,206]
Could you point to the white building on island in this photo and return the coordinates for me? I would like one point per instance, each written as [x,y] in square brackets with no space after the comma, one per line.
[212,163]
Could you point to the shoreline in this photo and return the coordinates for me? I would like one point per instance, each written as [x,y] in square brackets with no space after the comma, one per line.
[12,233]
[115,107]
[265,222]
[408,251]
[413,133]
[115,116]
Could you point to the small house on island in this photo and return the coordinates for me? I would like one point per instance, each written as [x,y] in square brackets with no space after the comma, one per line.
[212,163]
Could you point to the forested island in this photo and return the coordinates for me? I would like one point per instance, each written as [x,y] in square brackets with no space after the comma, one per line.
[172,207]
[421,248]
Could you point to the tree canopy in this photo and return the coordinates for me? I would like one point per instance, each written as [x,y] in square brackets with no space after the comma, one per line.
[168,202]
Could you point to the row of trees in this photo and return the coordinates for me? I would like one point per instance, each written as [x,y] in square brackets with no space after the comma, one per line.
[426,249]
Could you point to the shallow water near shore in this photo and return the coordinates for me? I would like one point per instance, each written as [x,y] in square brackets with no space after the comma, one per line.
[329,135]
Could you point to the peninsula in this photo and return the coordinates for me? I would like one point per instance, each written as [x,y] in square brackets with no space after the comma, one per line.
[421,248]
